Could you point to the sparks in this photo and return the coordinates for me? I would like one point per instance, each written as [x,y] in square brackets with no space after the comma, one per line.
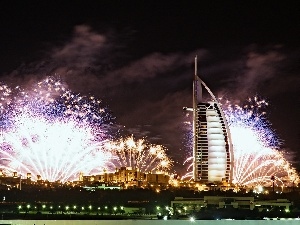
[257,154]
[139,154]
[55,134]
[51,132]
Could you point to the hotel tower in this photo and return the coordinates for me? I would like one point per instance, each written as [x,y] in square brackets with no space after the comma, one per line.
[212,148]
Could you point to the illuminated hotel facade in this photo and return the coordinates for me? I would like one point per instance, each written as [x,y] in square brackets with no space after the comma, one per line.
[212,148]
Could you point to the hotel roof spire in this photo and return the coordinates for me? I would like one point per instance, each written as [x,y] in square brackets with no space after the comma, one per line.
[197,85]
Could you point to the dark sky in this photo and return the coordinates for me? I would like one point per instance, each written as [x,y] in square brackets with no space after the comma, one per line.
[138,57]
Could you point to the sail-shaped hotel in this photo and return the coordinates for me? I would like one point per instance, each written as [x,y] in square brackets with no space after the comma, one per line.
[212,147]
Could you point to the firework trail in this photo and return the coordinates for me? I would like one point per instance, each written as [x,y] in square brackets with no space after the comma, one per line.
[57,134]
[139,154]
[256,146]
[52,132]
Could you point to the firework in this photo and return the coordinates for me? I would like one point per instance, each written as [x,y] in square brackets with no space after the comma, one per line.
[257,155]
[139,154]
[56,134]
[52,132]
[256,147]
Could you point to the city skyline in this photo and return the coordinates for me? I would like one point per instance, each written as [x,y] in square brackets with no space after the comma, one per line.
[139,59]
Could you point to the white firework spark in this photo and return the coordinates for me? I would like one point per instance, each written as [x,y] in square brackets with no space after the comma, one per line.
[139,154]
[257,155]
[56,134]
[256,148]
[52,133]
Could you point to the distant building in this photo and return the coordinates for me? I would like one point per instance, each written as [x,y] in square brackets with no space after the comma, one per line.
[188,205]
[128,177]
[157,178]
[102,187]
[127,174]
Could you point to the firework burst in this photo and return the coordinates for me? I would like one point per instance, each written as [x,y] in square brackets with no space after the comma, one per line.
[257,155]
[52,132]
[139,154]
[56,134]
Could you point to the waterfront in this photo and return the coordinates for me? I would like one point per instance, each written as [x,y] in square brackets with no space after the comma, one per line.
[147,222]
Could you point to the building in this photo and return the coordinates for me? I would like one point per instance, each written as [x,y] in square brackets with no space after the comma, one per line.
[189,205]
[127,177]
[102,187]
[212,148]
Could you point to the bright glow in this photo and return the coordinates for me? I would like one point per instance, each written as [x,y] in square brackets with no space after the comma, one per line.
[216,147]
[256,148]
[192,219]
[258,189]
[138,154]
[56,135]
[51,132]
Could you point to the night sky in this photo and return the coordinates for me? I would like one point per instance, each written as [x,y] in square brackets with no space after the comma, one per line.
[137,56]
